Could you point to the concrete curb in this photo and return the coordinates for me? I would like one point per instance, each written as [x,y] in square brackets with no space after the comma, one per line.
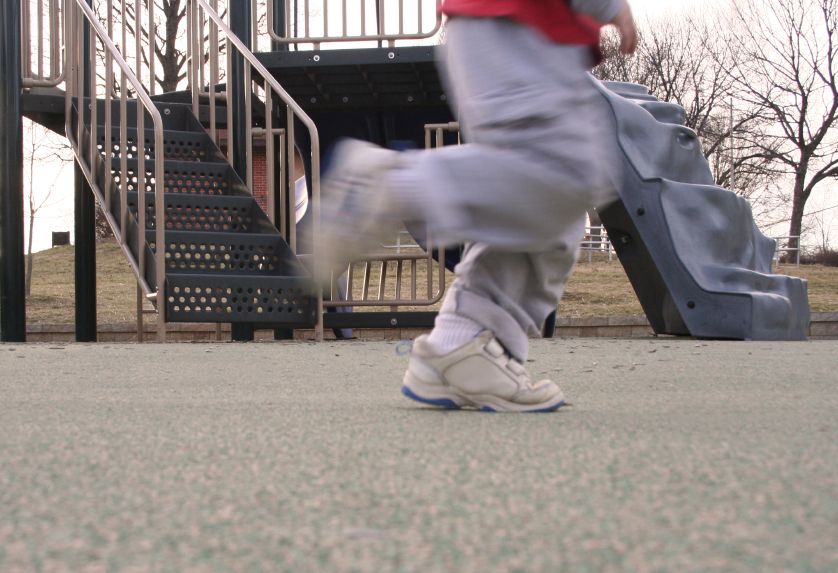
[824,326]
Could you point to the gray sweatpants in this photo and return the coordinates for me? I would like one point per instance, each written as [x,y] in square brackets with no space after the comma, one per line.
[540,152]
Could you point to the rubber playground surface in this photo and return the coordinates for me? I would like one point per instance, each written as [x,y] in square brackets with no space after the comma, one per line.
[674,455]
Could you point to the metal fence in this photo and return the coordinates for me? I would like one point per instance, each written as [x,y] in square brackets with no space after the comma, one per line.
[783,247]
[596,241]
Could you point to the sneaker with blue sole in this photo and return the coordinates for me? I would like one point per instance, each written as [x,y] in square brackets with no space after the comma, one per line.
[480,375]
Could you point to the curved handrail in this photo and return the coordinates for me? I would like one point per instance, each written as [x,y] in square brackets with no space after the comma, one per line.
[88,159]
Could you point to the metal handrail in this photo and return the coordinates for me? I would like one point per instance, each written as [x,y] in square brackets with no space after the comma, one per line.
[42,43]
[201,12]
[77,16]
[342,9]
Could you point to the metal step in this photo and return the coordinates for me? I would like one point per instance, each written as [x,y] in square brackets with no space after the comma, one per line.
[206,214]
[227,253]
[177,145]
[185,177]
[175,116]
[286,301]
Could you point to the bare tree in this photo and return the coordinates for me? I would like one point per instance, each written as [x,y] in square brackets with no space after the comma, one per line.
[683,61]
[170,46]
[42,150]
[822,223]
[786,62]
[618,67]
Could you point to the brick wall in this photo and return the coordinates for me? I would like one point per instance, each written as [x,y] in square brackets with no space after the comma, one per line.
[260,182]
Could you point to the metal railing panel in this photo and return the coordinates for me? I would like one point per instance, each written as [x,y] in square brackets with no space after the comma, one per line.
[42,43]
[319,22]
[84,95]
[435,273]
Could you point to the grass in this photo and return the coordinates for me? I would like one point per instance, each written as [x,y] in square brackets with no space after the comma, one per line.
[598,288]
[53,288]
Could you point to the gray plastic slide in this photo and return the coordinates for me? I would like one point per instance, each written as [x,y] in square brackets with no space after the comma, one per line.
[691,249]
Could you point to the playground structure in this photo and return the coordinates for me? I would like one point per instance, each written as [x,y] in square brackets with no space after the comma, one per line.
[174,172]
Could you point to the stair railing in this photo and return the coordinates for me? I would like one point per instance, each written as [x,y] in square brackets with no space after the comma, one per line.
[86,90]
[205,29]
[326,21]
[42,43]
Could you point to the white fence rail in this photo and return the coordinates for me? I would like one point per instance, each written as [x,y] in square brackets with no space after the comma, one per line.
[596,241]
[784,248]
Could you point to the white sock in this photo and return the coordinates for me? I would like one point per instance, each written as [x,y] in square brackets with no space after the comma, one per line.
[451,331]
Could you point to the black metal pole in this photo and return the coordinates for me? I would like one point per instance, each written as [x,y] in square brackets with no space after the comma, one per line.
[12,263]
[85,259]
[279,25]
[240,23]
[85,227]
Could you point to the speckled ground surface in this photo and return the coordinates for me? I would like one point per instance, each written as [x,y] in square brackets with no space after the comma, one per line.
[674,456]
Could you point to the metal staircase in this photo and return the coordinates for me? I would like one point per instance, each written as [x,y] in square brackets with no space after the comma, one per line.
[224,260]
[200,244]
[176,180]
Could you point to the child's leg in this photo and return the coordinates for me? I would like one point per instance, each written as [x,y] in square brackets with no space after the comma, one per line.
[510,293]
[540,143]
[540,151]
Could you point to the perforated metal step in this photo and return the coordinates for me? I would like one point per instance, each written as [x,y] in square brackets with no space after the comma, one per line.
[185,177]
[227,253]
[206,214]
[225,261]
[288,301]
[175,116]
[177,145]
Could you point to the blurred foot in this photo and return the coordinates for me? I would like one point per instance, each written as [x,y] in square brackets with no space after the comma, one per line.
[356,215]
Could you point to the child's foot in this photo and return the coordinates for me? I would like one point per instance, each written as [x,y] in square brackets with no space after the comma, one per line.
[355,214]
[479,375]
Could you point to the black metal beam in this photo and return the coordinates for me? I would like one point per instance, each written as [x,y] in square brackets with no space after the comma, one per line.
[240,23]
[44,106]
[85,259]
[12,264]
[379,319]
[85,227]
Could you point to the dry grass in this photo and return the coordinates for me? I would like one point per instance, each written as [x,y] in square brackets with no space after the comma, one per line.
[53,287]
[823,284]
[598,288]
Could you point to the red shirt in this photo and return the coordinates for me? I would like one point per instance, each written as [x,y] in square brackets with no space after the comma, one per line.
[553,18]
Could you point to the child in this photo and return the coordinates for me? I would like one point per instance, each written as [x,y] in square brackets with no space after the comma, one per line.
[540,152]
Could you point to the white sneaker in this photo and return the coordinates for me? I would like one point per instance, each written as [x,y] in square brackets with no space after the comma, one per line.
[479,375]
[355,214]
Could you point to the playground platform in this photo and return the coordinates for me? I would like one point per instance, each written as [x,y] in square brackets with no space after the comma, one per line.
[675,455]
